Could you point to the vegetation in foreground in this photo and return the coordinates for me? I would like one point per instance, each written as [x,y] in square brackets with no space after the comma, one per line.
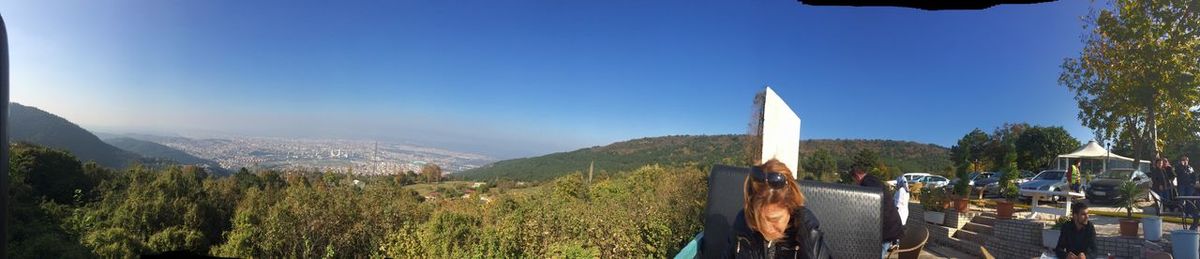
[61,208]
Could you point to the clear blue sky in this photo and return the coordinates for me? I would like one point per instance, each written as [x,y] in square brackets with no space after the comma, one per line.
[518,78]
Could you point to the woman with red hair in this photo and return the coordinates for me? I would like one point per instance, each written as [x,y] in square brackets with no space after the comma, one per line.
[774,222]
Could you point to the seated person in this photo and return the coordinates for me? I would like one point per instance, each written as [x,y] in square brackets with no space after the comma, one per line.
[1078,236]
[893,223]
[774,222]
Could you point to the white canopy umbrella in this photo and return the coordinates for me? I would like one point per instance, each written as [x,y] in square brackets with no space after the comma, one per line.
[1093,150]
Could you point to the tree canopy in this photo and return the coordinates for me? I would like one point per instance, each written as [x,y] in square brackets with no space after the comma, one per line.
[1012,146]
[1136,79]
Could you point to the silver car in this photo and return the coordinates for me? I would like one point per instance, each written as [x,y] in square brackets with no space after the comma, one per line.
[1048,180]
[933,181]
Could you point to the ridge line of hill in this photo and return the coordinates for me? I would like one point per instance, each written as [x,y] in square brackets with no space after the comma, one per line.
[703,150]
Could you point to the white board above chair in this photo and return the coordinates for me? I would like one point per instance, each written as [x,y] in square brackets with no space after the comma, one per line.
[780,129]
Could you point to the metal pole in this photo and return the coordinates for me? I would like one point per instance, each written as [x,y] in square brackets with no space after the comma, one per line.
[1107,154]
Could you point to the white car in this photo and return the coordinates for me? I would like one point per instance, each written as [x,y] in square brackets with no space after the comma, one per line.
[909,177]
[934,181]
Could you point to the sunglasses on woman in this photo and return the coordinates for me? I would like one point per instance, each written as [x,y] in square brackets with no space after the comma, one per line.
[774,179]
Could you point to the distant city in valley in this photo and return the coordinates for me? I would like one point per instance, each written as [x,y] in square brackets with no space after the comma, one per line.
[336,155]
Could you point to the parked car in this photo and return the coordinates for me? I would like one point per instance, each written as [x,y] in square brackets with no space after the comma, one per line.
[908,177]
[984,180]
[1104,187]
[992,186]
[1048,180]
[934,181]
[1026,176]
[975,176]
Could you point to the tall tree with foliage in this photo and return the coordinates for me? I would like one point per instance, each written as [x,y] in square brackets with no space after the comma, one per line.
[1038,146]
[821,165]
[972,149]
[432,172]
[1009,172]
[869,160]
[1136,79]
[1003,140]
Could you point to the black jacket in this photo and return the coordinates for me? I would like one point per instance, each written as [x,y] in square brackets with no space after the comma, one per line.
[892,228]
[1185,175]
[1158,179]
[1075,240]
[804,239]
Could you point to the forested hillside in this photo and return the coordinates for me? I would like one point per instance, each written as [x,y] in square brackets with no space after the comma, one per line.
[29,124]
[900,156]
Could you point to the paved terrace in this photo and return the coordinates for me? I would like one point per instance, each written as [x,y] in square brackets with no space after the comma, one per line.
[1104,216]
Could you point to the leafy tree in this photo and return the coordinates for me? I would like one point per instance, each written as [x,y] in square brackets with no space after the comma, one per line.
[1009,173]
[1136,78]
[1038,146]
[245,179]
[821,165]
[1002,142]
[432,172]
[35,223]
[869,160]
[1190,148]
[51,173]
[972,150]
[962,187]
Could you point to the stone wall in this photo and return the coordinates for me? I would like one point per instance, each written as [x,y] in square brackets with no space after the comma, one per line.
[956,220]
[916,213]
[1014,238]
[1121,247]
[941,236]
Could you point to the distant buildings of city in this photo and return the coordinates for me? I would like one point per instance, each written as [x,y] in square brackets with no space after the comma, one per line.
[341,156]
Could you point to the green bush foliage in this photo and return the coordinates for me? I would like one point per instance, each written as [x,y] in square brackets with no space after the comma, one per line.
[651,211]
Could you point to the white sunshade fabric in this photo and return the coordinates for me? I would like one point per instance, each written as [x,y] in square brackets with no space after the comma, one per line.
[1093,150]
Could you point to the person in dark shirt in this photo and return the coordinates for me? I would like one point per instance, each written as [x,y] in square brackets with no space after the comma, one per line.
[1187,186]
[774,223]
[1078,236]
[1186,176]
[892,228]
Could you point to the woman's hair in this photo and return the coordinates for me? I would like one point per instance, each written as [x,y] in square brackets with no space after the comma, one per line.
[759,194]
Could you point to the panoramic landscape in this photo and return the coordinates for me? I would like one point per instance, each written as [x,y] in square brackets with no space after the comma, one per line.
[599,130]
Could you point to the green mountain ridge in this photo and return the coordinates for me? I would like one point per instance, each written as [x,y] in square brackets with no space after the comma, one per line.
[33,125]
[905,156]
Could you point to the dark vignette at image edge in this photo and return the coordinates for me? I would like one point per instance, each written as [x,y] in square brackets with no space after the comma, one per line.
[929,5]
[4,136]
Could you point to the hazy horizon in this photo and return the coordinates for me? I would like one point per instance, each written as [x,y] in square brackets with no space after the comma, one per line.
[524,79]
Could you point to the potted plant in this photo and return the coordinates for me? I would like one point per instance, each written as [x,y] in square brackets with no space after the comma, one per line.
[962,190]
[1129,193]
[1004,208]
[934,202]
[1050,236]
[1008,187]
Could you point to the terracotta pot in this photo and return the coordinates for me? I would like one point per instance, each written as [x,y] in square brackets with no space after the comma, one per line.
[1004,209]
[1129,227]
[960,204]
